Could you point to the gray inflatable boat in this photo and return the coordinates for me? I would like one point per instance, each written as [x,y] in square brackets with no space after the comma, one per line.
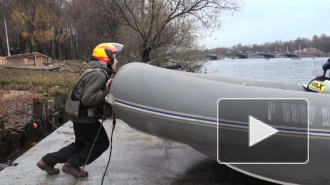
[184,107]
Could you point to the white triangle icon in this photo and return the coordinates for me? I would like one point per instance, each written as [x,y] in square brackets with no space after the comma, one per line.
[259,131]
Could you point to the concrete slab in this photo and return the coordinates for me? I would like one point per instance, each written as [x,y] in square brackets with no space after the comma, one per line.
[137,158]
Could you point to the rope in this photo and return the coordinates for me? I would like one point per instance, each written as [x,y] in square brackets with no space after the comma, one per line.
[113,128]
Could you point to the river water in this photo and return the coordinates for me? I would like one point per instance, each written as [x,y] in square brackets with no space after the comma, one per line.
[277,69]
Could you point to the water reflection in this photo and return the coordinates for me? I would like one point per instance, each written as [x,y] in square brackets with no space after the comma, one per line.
[209,172]
[279,69]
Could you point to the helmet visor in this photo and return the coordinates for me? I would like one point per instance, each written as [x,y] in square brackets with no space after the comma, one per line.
[118,46]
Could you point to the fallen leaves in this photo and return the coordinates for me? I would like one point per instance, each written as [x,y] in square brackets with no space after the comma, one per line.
[16,107]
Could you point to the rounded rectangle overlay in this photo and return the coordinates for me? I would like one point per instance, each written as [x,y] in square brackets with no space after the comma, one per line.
[263,131]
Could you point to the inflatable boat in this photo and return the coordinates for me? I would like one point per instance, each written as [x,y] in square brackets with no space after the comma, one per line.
[184,107]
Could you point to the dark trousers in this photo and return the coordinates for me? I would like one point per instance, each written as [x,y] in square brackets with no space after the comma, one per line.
[76,153]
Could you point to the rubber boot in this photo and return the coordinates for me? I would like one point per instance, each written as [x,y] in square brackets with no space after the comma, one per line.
[50,170]
[74,171]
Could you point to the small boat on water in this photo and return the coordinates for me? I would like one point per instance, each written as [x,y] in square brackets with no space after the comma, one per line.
[182,106]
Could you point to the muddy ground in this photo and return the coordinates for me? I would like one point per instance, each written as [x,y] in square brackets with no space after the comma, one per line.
[16,107]
[15,113]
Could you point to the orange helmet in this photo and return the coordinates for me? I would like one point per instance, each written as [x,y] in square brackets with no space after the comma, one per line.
[105,51]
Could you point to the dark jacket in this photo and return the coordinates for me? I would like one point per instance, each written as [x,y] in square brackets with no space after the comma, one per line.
[88,97]
[326,66]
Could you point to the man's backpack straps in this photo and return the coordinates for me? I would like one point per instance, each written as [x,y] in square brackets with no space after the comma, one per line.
[74,94]
[73,104]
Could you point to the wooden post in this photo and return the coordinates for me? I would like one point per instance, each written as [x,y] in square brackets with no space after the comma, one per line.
[2,122]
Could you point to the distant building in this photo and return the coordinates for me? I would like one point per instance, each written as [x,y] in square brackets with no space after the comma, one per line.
[29,59]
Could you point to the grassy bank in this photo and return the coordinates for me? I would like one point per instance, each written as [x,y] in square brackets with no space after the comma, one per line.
[40,81]
[23,105]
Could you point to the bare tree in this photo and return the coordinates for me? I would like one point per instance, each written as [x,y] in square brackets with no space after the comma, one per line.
[89,24]
[161,23]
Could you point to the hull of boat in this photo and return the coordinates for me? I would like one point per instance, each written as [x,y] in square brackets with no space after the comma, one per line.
[183,107]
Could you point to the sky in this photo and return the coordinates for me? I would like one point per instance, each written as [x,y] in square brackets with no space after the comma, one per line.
[261,21]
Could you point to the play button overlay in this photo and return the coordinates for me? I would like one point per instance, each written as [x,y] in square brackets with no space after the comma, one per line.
[262,131]
[259,131]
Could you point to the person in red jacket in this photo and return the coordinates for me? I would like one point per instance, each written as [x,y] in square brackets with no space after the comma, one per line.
[84,109]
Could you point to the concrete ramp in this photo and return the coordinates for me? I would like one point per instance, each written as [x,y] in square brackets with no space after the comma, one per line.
[137,158]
